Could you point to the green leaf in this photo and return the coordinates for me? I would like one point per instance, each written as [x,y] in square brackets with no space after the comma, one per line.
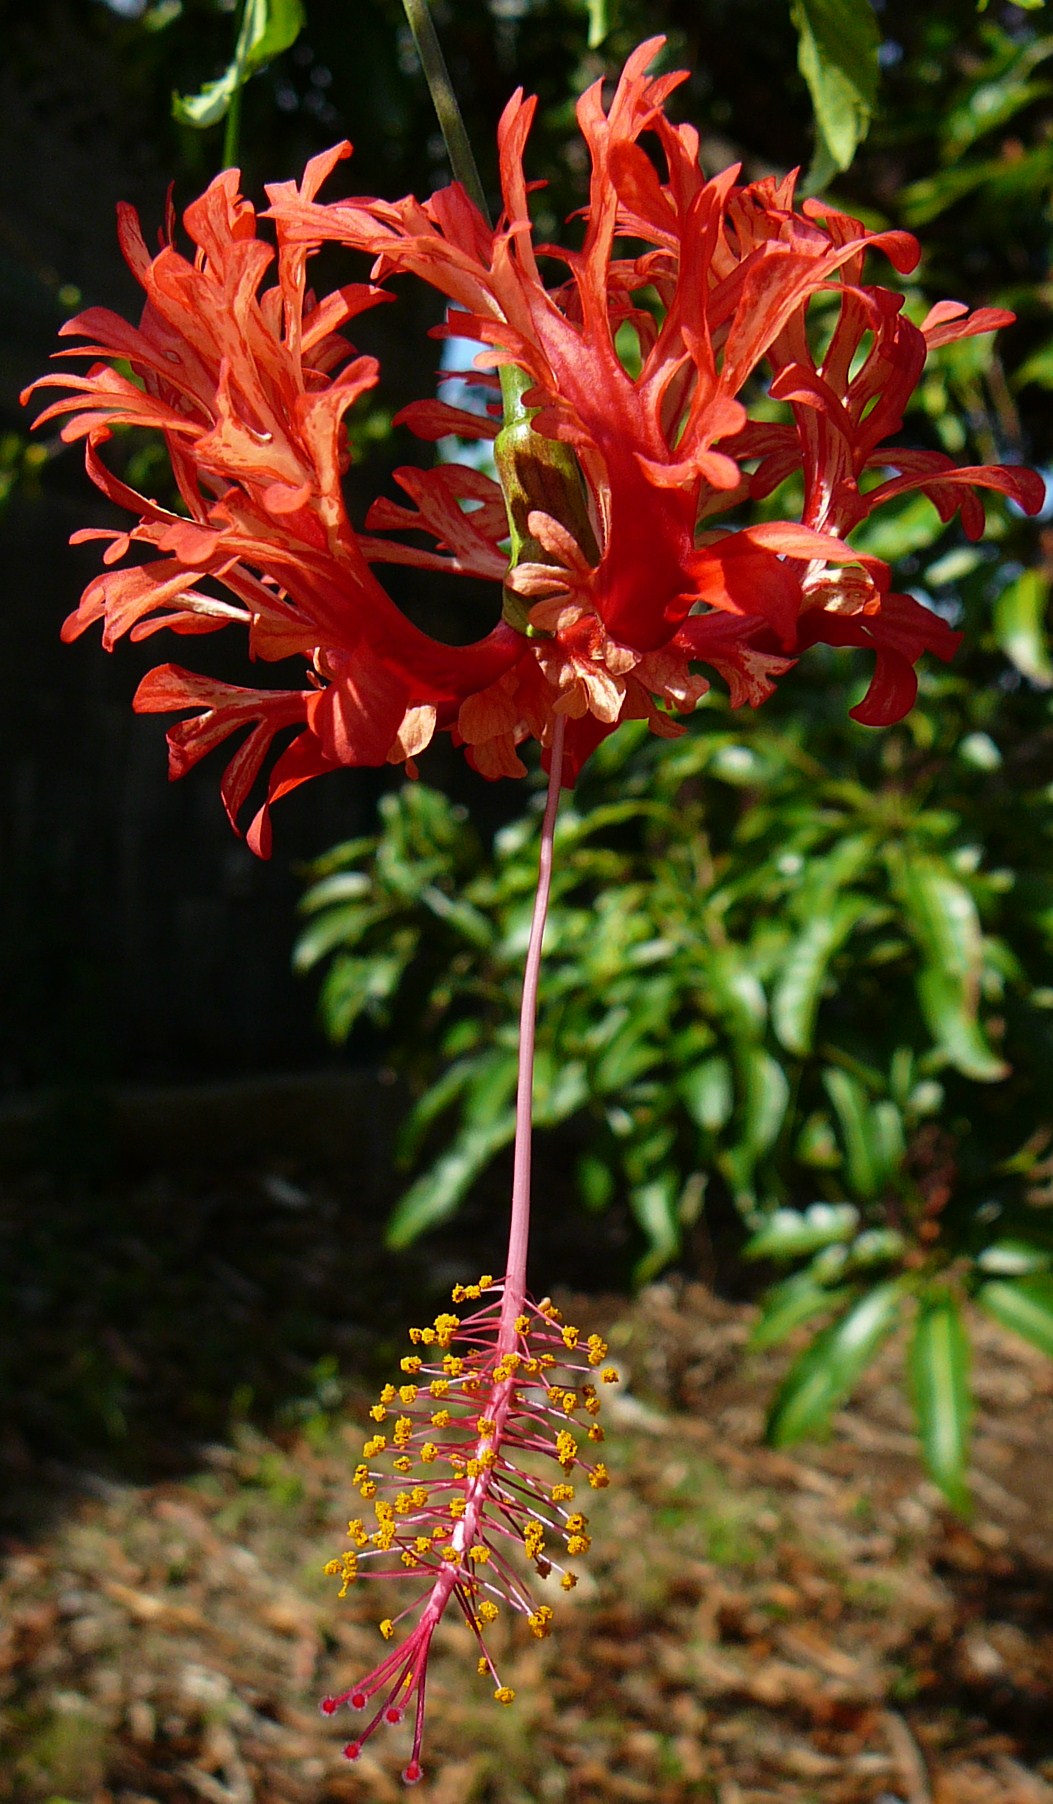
[599,24]
[828,1370]
[1025,1305]
[595,1181]
[785,1306]
[943,920]
[1020,627]
[837,53]
[654,1206]
[267,28]
[435,1196]
[796,999]
[1011,1258]
[790,1232]
[939,1375]
[708,1093]
[353,985]
[872,1132]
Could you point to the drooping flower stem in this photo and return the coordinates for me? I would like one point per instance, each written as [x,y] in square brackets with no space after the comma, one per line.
[519,1223]
[444,100]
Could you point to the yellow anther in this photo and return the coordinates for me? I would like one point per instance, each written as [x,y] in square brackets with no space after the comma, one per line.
[459,1293]
[361,1472]
[482,1666]
[457,1508]
[532,1367]
[575,1523]
[562,1493]
[534,1540]
[485,1281]
[403,1465]
[368,1490]
[578,1544]
[522,1324]
[451,1556]
[441,1419]
[609,1375]
[480,1554]
[408,1393]
[411,1363]
[452,1365]
[440,1532]
[597,1350]
[356,1531]
[384,1537]
[568,1581]
[428,1452]
[566,1448]
[472,1292]
[445,1324]
[485,1425]
[407,1558]
[472,1387]
[569,1402]
[547,1361]
[541,1621]
[571,1336]
[416,1336]
[554,1393]
[374,1446]
[423,1543]
[596,1433]
[420,1496]
[473,1468]
[488,1611]
[504,1695]
[383,1511]
[428,1336]
[599,1477]
[331,1568]
[439,1387]
[403,1503]
[488,1458]
[387,1395]
[387,1628]
[547,1308]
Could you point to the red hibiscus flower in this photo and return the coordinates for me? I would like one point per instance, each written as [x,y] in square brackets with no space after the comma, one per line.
[631,439]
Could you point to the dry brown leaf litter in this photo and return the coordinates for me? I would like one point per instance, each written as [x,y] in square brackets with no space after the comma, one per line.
[808,1627]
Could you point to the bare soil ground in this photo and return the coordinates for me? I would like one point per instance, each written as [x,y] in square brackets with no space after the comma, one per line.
[755,1627]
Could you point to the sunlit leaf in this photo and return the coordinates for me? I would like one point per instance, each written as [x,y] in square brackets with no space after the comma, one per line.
[1020,627]
[788,1305]
[838,44]
[267,28]
[939,1376]
[1025,1305]
[828,1370]
[788,1233]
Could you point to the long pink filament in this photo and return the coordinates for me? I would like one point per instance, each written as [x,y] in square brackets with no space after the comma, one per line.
[519,1224]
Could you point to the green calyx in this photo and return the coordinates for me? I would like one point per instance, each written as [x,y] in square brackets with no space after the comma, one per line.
[537,474]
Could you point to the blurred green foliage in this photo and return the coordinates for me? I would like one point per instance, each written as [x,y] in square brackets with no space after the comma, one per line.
[793,968]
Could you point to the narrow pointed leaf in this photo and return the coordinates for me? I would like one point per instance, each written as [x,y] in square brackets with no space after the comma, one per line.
[939,1377]
[789,1233]
[828,1370]
[838,44]
[800,986]
[1025,1305]
[785,1306]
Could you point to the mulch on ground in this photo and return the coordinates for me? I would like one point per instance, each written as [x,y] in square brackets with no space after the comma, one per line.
[812,1628]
